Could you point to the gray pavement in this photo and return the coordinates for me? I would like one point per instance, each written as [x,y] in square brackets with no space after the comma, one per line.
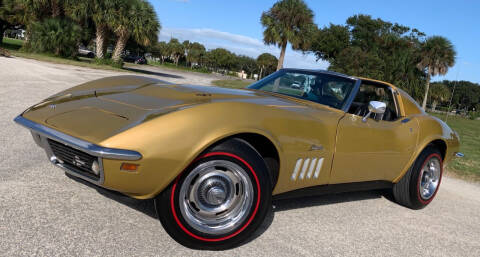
[45,213]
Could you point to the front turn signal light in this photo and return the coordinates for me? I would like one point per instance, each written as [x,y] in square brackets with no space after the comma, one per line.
[129,166]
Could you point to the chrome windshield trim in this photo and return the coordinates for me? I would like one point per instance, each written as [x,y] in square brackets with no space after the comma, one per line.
[79,144]
[352,95]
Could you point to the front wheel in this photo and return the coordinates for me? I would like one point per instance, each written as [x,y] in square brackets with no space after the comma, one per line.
[219,200]
[420,184]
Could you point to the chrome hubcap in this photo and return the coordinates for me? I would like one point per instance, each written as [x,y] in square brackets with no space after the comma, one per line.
[216,197]
[431,173]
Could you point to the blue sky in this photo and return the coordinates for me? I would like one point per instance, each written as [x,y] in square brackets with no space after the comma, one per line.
[235,25]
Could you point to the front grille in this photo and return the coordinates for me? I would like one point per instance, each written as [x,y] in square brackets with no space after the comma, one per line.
[74,159]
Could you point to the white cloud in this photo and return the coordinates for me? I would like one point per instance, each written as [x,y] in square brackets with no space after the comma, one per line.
[241,44]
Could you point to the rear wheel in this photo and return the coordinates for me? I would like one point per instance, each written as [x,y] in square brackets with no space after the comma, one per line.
[420,184]
[219,200]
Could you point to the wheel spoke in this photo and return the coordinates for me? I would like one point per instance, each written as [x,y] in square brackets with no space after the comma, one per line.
[430,173]
[211,187]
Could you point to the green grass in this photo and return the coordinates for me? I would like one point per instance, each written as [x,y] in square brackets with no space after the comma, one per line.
[12,44]
[232,83]
[469,130]
[179,67]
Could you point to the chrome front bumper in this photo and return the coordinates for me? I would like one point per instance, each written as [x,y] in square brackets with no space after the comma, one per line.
[41,134]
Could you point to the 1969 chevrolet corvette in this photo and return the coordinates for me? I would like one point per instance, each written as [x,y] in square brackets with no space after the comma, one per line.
[213,158]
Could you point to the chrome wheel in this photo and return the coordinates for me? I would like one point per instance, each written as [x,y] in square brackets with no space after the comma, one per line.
[216,197]
[430,178]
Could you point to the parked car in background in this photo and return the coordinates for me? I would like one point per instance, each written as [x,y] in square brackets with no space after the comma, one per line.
[213,158]
[135,59]
[295,85]
[83,51]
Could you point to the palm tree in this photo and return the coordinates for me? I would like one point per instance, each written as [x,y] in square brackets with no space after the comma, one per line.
[133,18]
[288,21]
[439,93]
[436,56]
[97,11]
[195,54]
[176,50]
[266,62]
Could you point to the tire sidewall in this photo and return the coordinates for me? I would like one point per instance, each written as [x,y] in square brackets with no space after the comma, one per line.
[425,156]
[167,204]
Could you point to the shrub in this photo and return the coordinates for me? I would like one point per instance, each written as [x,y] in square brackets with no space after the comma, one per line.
[474,115]
[110,62]
[56,36]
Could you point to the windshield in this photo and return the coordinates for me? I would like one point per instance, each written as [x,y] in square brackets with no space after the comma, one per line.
[318,87]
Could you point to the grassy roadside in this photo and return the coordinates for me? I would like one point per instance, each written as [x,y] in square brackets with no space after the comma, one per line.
[13,46]
[467,167]
[232,83]
[167,65]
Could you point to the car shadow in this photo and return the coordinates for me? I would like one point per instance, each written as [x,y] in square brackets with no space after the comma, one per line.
[148,72]
[145,206]
[148,207]
[327,199]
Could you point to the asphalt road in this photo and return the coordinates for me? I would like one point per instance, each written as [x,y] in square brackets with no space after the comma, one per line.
[45,213]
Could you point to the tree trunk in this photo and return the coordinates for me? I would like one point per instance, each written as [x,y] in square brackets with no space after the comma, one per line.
[282,56]
[56,9]
[120,45]
[434,105]
[427,87]
[261,71]
[100,40]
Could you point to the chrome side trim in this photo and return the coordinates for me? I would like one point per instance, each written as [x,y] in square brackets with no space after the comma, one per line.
[297,168]
[304,168]
[319,167]
[312,166]
[92,149]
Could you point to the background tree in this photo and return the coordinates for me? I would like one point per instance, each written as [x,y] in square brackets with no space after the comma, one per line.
[288,21]
[98,12]
[176,50]
[220,58]
[439,93]
[466,95]
[133,18]
[186,47]
[329,42]
[57,36]
[437,55]
[373,48]
[195,54]
[11,16]
[246,64]
[160,50]
[267,63]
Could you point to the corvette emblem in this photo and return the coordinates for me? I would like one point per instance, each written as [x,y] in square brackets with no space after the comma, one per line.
[77,162]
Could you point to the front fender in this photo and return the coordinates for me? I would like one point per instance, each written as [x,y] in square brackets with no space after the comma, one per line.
[169,143]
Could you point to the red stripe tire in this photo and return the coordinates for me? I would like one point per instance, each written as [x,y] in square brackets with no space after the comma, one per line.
[419,186]
[219,200]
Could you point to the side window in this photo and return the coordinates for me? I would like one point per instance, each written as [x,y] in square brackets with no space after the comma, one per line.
[374,92]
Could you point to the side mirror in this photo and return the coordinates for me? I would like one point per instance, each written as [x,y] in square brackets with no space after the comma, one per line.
[375,107]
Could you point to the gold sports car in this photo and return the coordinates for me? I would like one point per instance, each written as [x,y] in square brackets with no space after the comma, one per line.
[213,158]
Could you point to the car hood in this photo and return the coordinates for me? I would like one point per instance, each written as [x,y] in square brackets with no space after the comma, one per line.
[95,114]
